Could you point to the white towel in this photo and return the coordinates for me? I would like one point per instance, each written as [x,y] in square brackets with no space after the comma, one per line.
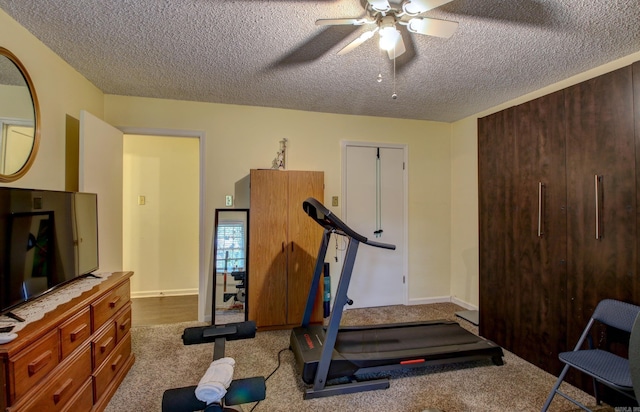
[213,385]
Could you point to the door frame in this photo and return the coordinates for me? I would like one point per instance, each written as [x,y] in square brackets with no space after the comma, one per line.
[405,201]
[203,272]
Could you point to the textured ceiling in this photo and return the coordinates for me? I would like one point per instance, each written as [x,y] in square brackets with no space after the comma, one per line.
[271,53]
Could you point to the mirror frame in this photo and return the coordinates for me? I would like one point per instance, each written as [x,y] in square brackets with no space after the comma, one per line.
[36,113]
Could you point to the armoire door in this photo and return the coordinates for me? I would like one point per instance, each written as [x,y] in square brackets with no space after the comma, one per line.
[304,240]
[601,179]
[496,163]
[540,232]
[267,254]
[601,198]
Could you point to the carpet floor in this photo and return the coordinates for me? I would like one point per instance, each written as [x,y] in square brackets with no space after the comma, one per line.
[162,362]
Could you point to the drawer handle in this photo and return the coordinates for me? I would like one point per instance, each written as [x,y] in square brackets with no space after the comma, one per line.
[106,344]
[125,324]
[39,363]
[114,365]
[113,303]
[65,386]
[78,332]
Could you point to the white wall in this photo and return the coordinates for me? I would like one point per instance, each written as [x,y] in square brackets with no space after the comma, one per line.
[464,185]
[161,237]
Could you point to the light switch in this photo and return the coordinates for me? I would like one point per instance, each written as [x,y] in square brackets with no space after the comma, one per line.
[141,200]
[334,201]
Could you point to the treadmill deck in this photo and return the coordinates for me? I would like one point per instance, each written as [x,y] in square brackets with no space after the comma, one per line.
[384,347]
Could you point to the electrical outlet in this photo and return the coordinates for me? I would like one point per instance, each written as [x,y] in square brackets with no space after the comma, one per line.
[334,201]
[142,200]
[228,200]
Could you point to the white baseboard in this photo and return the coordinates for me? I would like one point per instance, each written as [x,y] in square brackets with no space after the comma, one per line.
[442,299]
[427,301]
[462,303]
[159,293]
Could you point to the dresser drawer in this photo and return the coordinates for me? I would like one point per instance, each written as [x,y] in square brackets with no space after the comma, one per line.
[108,305]
[110,368]
[75,331]
[123,322]
[34,363]
[83,401]
[103,344]
[62,387]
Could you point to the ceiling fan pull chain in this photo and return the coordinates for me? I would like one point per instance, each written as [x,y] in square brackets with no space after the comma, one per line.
[394,95]
[379,78]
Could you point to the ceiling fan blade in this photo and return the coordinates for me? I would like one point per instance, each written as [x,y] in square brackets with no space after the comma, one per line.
[396,51]
[338,22]
[432,27]
[357,42]
[380,5]
[420,6]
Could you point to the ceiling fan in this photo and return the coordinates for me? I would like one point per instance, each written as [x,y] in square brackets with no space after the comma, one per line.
[384,15]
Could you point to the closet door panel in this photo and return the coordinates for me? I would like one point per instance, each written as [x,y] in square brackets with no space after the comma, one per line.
[496,154]
[601,222]
[267,252]
[636,104]
[540,231]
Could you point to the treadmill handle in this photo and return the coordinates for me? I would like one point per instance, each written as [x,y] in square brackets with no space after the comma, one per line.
[380,245]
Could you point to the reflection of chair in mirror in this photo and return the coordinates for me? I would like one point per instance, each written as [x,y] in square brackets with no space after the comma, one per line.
[602,366]
[239,295]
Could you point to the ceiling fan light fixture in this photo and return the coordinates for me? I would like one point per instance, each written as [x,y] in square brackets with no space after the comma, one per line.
[389,37]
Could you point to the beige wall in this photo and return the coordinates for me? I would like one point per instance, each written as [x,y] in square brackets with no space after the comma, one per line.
[60,90]
[160,238]
[238,138]
[443,251]
[464,199]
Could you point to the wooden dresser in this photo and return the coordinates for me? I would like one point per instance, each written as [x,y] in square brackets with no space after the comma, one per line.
[75,357]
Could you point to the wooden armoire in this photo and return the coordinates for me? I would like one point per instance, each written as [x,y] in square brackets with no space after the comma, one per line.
[559,196]
[283,246]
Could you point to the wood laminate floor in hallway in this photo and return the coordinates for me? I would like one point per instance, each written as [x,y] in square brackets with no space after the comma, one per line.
[164,309]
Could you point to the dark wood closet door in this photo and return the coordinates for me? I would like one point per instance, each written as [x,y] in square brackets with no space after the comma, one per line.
[636,104]
[540,232]
[601,197]
[496,162]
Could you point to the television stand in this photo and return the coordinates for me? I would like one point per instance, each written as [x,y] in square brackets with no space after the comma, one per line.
[75,356]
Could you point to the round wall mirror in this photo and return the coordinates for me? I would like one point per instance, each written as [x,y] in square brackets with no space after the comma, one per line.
[19,118]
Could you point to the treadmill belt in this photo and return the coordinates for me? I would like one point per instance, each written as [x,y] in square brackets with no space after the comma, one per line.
[399,339]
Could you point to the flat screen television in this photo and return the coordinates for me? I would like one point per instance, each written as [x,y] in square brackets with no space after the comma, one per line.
[47,239]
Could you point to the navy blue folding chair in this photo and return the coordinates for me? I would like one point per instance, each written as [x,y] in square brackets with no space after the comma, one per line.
[602,366]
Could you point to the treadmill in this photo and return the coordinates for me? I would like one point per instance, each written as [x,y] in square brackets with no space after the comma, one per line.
[326,354]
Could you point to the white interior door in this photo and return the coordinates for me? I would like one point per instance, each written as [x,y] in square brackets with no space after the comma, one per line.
[374,206]
[100,171]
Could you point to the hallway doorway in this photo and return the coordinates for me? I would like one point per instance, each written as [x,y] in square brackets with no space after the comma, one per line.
[161,203]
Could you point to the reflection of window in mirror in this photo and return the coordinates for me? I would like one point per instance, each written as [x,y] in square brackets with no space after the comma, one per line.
[16,143]
[230,253]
